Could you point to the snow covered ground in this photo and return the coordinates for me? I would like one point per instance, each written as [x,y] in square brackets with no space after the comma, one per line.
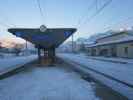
[122,72]
[7,64]
[115,60]
[46,83]
[6,55]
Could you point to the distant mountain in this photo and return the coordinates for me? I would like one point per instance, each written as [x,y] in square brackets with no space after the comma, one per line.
[8,43]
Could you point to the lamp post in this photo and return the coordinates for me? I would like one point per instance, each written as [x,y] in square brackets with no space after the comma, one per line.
[26,47]
[72,44]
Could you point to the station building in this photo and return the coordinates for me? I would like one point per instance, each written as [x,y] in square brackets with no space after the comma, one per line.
[117,44]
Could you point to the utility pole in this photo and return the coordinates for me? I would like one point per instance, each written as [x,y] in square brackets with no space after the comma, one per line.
[96,5]
[26,47]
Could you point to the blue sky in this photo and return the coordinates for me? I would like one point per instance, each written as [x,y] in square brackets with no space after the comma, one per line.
[66,13]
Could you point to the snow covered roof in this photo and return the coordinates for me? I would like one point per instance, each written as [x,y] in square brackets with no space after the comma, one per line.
[113,33]
[128,38]
[101,35]
[122,40]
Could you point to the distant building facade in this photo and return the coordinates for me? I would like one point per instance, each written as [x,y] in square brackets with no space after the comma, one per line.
[118,44]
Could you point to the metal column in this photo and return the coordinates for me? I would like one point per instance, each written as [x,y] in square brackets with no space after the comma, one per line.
[39,54]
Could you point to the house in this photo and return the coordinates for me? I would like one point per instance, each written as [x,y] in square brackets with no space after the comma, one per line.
[117,44]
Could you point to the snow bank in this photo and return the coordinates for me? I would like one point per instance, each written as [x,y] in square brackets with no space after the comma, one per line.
[122,72]
[8,64]
[115,60]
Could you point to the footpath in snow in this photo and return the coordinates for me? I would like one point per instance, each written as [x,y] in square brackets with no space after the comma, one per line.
[8,64]
[46,83]
[119,76]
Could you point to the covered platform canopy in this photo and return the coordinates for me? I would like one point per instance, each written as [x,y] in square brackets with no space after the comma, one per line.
[51,38]
[47,40]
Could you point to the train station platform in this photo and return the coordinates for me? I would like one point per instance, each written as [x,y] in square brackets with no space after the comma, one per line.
[12,63]
[46,83]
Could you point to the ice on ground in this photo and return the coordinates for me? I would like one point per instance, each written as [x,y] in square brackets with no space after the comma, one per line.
[49,83]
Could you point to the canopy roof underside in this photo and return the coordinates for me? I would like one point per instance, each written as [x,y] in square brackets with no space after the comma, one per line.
[52,37]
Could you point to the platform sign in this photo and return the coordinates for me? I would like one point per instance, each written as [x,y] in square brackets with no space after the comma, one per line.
[42,38]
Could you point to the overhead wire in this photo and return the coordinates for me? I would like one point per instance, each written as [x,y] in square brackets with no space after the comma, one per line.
[41,12]
[3,24]
[97,12]
[90,7]
[118,23]
[96,4]
[6,19]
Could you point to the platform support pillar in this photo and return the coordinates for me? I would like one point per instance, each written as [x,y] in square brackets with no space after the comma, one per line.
[51,54]
[39,54]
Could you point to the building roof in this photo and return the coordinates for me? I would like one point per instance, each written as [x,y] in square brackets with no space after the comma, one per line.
[115,33]
[128,38]
[52,37]
[122,40]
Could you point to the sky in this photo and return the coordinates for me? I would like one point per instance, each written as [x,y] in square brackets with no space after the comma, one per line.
[65,13]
